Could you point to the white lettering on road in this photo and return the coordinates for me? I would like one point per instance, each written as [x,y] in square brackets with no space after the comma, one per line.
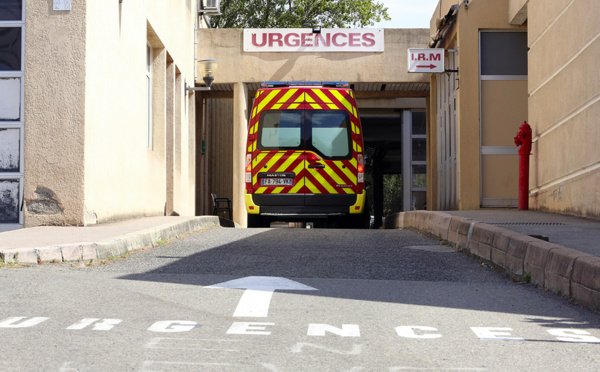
[573,335]
[104,325]
[70,367]
[12,322]
[258,292]
[249,328]
[393,369]
[314,329]
[495,333]
[347,330]
[172,326]
[410,332]
[198,344]
[150,365]
[356,348]
[270,367]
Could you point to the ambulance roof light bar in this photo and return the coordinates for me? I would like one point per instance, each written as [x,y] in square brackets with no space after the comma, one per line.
[327,84]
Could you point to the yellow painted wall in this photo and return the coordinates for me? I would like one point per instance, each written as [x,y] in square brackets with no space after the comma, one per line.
[480,15]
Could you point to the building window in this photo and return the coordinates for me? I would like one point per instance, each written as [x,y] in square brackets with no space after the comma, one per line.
[10,48]
[418,160]
[503,53]
[149,62]
[11,10]
[11,110]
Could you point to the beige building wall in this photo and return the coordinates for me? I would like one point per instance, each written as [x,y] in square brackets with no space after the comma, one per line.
[562,93]
[86,106]
[54,121]
[564,105]
[477,177]
[134,179]
[225,45]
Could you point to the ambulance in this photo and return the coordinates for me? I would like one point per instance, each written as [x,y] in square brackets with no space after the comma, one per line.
[305,156]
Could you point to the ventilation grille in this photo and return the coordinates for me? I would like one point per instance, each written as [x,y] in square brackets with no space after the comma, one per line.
[211,4]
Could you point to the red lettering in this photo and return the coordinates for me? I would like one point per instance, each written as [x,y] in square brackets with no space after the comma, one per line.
[275,38]
[306,40]
[368,40]
[421,57]
[324,40]
[334,39]
[434,57]
[292,43]
[354,39]
[262,44]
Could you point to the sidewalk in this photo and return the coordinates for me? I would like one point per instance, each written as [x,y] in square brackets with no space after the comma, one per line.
[556,252]
[70,243]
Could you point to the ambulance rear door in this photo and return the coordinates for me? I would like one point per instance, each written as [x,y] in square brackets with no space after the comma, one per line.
[332,129]
[278,154]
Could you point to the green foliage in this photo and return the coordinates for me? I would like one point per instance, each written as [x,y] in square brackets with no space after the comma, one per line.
[392,194]
[159,240]
[298,13]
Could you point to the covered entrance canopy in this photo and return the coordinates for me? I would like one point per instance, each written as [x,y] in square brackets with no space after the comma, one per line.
[373,61]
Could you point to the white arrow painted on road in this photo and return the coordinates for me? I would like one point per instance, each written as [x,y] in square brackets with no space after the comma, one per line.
[258,293]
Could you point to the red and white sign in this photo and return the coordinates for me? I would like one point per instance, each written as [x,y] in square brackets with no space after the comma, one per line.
[304,40]
[426,60]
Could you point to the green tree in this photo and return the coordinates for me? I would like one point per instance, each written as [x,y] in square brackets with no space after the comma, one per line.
[392,194]
[298,13]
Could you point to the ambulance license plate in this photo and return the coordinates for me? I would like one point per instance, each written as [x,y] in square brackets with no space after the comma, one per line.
[276,181]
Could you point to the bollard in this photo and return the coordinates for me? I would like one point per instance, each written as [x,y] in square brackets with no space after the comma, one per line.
[523,139]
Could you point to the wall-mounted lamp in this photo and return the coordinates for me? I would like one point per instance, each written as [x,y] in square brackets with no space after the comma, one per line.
[207,69]
[316,30]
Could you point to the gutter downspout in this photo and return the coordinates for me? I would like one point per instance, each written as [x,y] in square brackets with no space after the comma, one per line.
[443,26]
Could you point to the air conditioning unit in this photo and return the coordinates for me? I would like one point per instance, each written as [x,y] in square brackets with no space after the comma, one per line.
[209,7]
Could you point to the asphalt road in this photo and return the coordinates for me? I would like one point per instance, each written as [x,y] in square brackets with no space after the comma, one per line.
[289,300]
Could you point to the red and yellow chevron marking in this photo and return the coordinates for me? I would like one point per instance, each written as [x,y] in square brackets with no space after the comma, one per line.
[278,162]
[329,180]
[337,177]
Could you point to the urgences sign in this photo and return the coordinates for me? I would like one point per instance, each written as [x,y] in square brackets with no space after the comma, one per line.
[304,40]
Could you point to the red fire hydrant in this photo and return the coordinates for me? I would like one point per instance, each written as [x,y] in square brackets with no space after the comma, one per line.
[523,139]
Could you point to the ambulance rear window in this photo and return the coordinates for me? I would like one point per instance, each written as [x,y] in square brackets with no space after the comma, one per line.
[330,133]
[280,130]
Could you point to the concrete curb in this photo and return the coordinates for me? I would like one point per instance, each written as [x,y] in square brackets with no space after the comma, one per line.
[113,247]
[565,271]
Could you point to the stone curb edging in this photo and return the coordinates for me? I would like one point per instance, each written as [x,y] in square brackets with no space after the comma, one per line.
[565,271]
[115,247]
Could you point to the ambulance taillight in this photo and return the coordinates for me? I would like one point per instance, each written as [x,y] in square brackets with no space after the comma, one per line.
[361,173]
[248,170]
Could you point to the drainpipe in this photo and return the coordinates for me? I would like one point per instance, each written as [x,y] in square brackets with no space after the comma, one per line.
[443,25]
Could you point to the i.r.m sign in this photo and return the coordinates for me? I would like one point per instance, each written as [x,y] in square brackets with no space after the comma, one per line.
[426,60]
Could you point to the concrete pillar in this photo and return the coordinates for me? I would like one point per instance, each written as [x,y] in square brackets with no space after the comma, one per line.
[240,127]
[169,138]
